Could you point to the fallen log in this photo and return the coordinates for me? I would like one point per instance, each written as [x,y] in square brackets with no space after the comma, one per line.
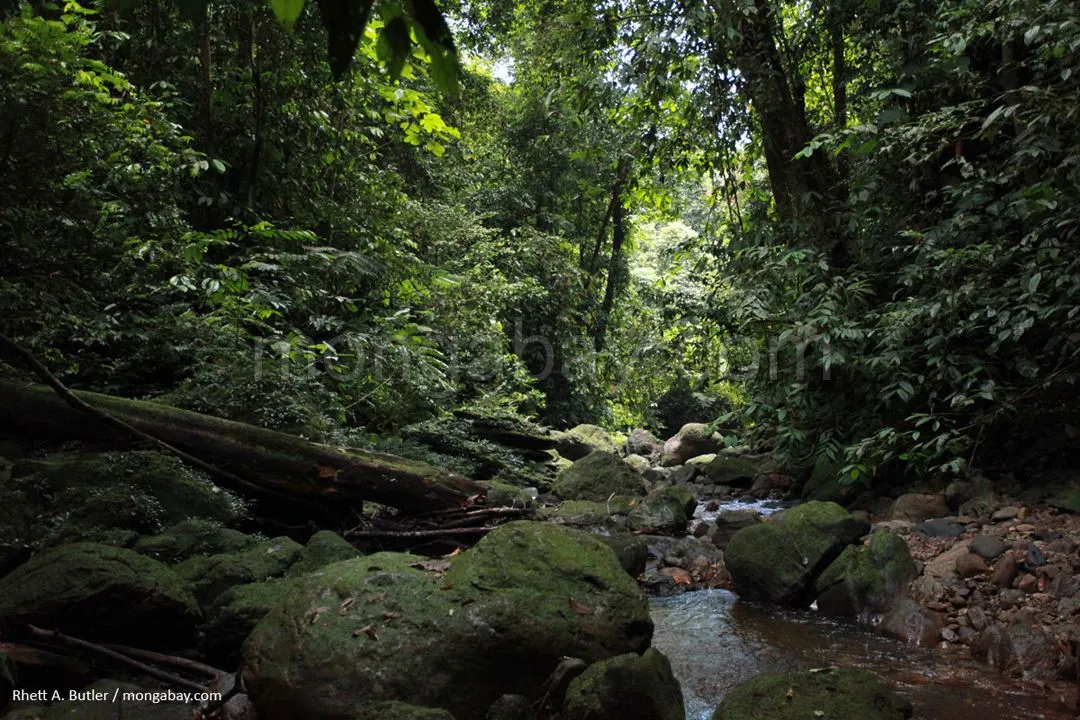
[269,459]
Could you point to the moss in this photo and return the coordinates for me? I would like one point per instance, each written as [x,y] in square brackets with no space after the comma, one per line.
[587,512]
[866,577]
[666,509]
[191,538]
[598,476]
[506,495]
[235,615]
[100,592]
[512,566]
[727,470]
[626,686]
[776,560]
[108,497]
[835,694]
[364,630]
[322,549]
[826,484]
[212,575]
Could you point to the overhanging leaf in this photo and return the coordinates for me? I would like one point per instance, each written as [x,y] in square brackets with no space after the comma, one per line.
[344,21]
[394,45]
[287,11]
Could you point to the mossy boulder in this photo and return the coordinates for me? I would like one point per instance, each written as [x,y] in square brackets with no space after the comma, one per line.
[190,538]
[394,710]
[731,470]
[211,575]
[638,463]
[235,614]
[502,494]
[99,592]
[579,441]
[644,443]
[91,706]
[866,578]
[835,694]
[322,549]
[826,484]
[665,510]
[597,477]
[777,561]
[364,631]
[626,686]
[107,497]
[632,551]
[584,513]
[693,439]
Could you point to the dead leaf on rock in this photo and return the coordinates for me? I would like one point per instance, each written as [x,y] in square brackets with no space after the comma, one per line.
[678,575]
[366,630]
[579,608]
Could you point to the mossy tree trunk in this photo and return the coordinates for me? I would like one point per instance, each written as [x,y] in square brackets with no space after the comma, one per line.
[272,460]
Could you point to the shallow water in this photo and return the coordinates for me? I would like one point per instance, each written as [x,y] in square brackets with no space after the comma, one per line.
[715,642]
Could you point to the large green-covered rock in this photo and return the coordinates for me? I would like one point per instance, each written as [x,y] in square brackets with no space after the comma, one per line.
[212,575]
[579,441]
[826,484]
[95,702]
[190,538]
[585,513]
[626,686]
[99,592]
[693,439]
[731,470]
[777,561]
[597,477]
[383,627]
[665,510]
[832,694]
[235,614]
[322,549]
[107,497]
[866,578]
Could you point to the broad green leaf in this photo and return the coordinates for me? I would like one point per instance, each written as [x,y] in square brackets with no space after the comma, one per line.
[287,11]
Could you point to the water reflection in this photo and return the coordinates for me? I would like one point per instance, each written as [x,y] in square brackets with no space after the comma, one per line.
[715,642]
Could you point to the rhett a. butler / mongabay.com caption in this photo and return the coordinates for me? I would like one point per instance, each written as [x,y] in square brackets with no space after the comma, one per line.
[117,695]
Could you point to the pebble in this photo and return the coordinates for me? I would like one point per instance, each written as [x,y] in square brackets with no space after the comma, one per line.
[970,564]
[949,635]
[1006,513]
[1010,598]
[1027,583]
[988,546]
[1004,571]
[977,618]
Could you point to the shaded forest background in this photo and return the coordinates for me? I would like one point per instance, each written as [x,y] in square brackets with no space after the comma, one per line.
[845,232]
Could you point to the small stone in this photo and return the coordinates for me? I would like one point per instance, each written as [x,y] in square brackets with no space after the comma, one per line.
[1028,583]
[1006,513]
[967,635]
[1064,586]
[1034,557]
[1009,598]
[988,546]
[958,601]
[937,606]
[940,527]
[970,564]
[1068,607]
[977,618]
[1024,528]
[949,635]
[1004,571]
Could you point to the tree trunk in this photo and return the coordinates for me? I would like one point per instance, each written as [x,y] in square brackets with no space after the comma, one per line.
[272,460]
